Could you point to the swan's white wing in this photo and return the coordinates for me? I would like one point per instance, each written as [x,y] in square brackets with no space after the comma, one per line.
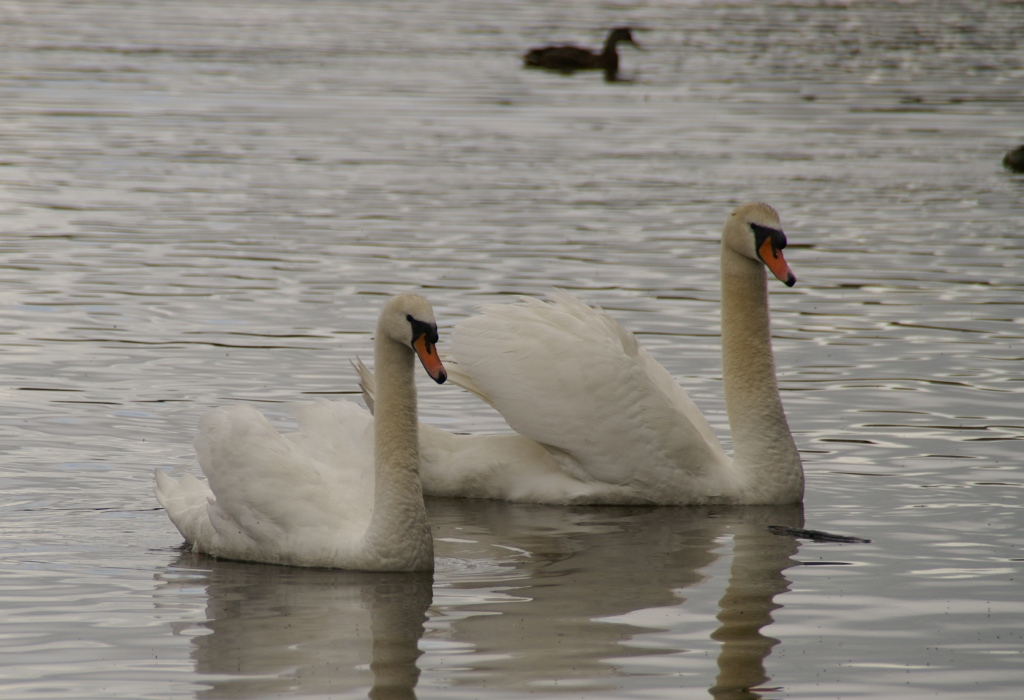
[302,498]
[505,467]
[569,377]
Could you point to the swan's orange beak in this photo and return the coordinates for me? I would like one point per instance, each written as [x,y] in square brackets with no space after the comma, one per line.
[772,257]
[428,356]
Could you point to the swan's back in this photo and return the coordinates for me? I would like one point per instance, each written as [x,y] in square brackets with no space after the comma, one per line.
[571,378]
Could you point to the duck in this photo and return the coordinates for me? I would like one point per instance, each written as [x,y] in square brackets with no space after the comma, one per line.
[342,492]
[1014,160]
[568,59]
[598,421]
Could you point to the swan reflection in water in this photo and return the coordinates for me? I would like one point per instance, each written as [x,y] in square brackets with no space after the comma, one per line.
[279,631]
[521,602]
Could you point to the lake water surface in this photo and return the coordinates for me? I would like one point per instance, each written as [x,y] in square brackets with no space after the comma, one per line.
[206,203]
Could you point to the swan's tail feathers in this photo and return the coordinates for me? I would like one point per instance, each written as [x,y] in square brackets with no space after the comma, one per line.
[186,501]
[458,377]
[367,382]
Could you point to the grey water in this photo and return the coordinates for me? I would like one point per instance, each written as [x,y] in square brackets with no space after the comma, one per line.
[205,203]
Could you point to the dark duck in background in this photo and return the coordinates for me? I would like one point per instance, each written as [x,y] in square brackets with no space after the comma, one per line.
[1014,160]
[568,58]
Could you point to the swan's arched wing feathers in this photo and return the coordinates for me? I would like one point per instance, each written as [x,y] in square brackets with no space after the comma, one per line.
[286,492]
[571,378]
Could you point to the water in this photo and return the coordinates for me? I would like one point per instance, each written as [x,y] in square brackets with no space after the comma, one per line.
[204,203]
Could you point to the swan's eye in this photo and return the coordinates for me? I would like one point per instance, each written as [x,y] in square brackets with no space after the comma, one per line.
[423,328]
[763,233]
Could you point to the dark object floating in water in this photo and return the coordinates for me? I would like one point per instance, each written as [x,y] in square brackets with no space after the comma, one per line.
[814,535]
[1014,160]
[568,58]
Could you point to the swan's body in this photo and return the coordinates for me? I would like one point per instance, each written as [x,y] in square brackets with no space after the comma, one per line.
[342,492]
[598,420]
[568,58]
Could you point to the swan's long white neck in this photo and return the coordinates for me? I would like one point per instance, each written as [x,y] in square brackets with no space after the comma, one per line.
[399,524]
[763,448]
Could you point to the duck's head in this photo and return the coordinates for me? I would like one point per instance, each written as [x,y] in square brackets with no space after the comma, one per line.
[622,34]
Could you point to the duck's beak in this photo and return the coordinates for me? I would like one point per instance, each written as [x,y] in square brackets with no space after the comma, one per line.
[772,257]
[427,353]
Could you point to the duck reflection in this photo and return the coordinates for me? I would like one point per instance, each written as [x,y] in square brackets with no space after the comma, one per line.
[527,599]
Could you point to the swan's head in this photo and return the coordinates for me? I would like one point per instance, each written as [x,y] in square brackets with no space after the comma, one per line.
[409,319]
[754,231]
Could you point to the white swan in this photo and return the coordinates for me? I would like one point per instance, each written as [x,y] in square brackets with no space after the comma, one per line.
[344,492]
[600,421]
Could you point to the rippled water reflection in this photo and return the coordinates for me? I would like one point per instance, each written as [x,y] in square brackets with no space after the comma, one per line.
[205,203]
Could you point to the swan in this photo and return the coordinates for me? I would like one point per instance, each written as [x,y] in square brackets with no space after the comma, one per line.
[568,58]
[343,492]
[598,420]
